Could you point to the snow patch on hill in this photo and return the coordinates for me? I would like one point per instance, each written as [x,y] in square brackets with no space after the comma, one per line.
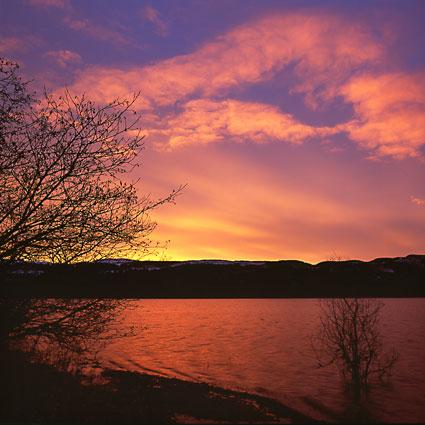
[219,262]
[115,261]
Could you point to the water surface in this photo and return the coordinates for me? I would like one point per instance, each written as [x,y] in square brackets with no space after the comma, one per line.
[263,346]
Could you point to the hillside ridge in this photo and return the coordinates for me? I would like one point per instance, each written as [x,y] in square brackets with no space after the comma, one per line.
[124,278]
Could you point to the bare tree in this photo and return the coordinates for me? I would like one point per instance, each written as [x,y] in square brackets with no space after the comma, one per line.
[62,162]
[349,336]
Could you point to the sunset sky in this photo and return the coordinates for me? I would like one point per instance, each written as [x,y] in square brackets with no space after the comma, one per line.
[298,126]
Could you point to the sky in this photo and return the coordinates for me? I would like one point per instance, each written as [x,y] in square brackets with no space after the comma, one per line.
[298,126]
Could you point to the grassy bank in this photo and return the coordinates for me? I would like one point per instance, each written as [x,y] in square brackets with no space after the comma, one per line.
[35,393]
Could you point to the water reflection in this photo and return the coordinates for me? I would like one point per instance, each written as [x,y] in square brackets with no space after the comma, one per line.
[263,346]
[64,332]
[256,345]
[349,336]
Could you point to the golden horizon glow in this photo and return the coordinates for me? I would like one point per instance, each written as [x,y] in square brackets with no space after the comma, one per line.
[300,132]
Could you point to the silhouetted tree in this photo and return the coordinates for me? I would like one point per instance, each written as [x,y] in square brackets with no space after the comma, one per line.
[349,336]
[62,161]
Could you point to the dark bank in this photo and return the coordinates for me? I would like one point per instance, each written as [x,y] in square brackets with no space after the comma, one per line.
[39,393]
[382,277]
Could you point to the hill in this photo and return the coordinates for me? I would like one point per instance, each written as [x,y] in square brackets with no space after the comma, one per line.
[120,278]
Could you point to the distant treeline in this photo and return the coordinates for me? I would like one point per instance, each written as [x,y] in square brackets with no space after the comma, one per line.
[383,277]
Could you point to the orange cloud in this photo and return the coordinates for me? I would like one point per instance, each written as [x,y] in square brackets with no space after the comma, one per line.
[389,112]
[183,96]
[63,58]
[253,52]
[206,121]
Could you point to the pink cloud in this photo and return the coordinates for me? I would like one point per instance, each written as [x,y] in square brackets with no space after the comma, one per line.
[152,15]
[13,45]
[417,201]
[97,32]
[61,4]
[389,112]
[64,58]
[328,54]
[206,121]
[249,54]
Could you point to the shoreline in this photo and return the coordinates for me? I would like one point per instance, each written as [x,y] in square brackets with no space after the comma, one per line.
[39,393]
